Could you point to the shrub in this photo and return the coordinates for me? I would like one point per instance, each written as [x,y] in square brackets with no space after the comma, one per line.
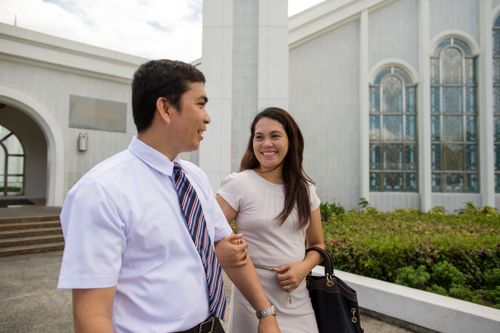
[445,274]
[363,203]
[411,277]
[450,254]
[327,209]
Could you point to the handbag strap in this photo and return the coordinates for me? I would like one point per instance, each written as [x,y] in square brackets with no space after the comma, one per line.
[326,256]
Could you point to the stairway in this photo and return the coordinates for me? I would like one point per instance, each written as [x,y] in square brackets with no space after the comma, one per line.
[30,234]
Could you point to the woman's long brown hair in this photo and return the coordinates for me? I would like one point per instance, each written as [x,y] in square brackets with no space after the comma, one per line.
[296,181]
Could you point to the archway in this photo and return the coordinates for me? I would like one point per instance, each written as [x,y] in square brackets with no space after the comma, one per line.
[23,159]
[43,142]
[12,171]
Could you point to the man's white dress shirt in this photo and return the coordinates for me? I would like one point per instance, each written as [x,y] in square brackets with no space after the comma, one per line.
[124,228]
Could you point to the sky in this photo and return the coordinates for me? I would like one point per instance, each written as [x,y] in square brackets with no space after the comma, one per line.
[147,28]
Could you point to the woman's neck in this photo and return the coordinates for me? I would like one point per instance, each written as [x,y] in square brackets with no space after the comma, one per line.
[274,176]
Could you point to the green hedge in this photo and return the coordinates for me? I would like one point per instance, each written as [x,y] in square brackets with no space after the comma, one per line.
[457,255]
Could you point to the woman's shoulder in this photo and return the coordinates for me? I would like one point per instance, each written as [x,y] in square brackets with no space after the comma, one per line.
[312,187]
[238,177]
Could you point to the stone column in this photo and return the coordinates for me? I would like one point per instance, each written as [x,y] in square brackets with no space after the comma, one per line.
[245,60]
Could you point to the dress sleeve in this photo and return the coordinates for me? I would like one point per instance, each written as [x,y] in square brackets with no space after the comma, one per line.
[313,198]
[95,238]
[230,191]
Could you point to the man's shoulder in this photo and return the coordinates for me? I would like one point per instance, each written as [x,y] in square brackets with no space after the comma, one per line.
[107,170]
[192,169]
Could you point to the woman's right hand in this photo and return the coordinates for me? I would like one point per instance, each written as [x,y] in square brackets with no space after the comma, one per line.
[291,275]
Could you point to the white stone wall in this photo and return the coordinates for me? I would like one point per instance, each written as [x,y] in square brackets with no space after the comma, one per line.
[52,88]
[454,15]
[390,200]
[397,39]
[324,101]
[455,201]
[328,112]
[245,76]
[39,73]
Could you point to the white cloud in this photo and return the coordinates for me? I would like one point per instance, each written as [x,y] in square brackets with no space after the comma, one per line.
[297,6]
[147,28]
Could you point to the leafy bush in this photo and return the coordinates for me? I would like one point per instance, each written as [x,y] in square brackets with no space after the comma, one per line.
[327,209]
[363,203]
[411,277]
[451,254]
[445,274]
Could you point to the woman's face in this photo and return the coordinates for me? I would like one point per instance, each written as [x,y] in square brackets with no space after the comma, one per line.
[270,143]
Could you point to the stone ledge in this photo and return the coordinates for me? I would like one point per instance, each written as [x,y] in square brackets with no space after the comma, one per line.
[427,310]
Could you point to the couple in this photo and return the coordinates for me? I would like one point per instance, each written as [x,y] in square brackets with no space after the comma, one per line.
[145,238]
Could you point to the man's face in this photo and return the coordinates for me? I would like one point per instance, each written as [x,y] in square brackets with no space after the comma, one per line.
[191,120]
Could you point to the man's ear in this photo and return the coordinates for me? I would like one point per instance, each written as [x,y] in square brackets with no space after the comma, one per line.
[164,109]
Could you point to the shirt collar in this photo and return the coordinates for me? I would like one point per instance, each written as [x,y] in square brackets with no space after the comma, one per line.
[151,156]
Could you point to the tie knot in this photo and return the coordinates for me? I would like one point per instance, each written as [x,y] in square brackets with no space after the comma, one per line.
[177,170]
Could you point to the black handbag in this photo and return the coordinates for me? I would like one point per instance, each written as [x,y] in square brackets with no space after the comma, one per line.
[335,303]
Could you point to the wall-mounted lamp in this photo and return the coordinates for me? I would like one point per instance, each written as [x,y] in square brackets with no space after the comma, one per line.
[83,141]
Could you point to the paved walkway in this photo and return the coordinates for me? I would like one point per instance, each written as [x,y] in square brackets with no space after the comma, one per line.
[30,302]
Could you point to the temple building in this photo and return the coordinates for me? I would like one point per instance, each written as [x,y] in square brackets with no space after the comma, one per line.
[398,100]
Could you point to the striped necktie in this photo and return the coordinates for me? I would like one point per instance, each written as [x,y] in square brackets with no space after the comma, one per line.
[197,226]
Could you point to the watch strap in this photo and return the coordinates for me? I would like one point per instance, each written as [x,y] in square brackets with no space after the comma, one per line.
[269,311]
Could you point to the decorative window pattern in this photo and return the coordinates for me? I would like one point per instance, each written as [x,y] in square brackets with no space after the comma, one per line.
[11,164]
[454,132]
[393,132]
[496,100]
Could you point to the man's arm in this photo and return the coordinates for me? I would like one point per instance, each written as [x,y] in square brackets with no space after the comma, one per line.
[246,280]
[245,277]
[92,310]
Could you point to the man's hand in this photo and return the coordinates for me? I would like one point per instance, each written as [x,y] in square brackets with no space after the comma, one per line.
[268,325]
[232,251]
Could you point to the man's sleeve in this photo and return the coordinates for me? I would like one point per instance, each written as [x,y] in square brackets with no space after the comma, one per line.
[95,238]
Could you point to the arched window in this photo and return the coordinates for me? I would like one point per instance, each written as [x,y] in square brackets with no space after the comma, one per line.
[496,102]
[11,164]
[393,132]
[454,133]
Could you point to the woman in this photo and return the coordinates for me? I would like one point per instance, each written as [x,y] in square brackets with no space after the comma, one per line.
[276,207]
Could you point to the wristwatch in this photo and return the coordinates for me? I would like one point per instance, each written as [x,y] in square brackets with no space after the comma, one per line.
[269,311]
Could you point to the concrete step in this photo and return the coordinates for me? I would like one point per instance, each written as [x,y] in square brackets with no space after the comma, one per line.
[18,219]
[32,240]
[29,232]
[24,249]
[29,225]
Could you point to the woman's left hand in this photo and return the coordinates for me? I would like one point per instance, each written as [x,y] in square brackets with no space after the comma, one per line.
[291,275]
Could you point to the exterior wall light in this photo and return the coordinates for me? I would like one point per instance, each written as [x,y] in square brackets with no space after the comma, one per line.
[83,141]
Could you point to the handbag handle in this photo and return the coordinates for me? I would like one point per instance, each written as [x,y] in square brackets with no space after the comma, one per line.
[327,258]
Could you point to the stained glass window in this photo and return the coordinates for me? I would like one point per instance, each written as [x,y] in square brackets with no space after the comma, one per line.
[393,132]
[496,100]
[11,164]
[454,132]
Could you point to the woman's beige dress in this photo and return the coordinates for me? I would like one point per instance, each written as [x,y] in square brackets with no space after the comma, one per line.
[270,244]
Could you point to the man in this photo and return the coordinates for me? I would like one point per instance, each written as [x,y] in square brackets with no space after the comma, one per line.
[140,227]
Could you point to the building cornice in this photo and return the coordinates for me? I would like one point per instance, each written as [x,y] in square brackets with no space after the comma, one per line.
[30,47]
[326,17]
